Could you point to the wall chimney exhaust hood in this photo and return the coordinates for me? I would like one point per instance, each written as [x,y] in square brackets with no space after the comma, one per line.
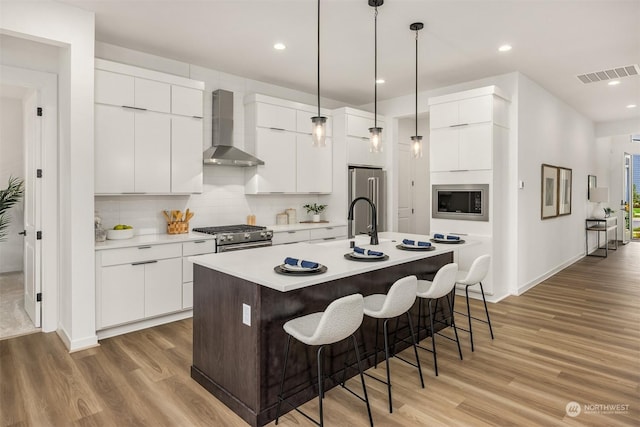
[222,151]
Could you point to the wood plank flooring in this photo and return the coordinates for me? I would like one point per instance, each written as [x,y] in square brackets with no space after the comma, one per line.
[573,338]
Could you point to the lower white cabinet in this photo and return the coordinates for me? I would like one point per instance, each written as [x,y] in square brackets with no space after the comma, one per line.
[162,287]
[309,235]
[120,295]
[198,247]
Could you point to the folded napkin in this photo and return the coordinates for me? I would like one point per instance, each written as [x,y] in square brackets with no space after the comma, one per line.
[300,263]
[367,252]
[447,237]
[413,243]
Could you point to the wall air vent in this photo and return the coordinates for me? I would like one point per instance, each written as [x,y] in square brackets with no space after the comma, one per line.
[613,73]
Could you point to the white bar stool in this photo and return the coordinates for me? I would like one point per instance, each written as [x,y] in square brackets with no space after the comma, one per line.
[441,286]
[475,276]
[339,321]
[398,301]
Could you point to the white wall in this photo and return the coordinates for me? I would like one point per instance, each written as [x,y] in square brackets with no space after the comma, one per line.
[12,165]
[620,127]
[550,132]
[72,30]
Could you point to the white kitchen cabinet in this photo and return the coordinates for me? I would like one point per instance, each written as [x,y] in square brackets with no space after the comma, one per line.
[467,147]
[352,132]
[314,173]
[152,148]
[328,233]
[463,112]
[279,133]
[186,101]
[315,234]
[120,296]
[162,287]
[114,149]
[143,141]
[290,236]
[198,247]
[186,155]
[358,126]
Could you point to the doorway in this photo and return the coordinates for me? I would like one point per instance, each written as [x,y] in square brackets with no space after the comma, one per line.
[633,196]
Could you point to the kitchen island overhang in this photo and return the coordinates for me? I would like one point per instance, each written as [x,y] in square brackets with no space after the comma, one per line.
[241,304]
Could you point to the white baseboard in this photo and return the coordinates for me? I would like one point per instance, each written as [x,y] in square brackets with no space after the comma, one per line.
[76,345]
[143,324]
[525,287]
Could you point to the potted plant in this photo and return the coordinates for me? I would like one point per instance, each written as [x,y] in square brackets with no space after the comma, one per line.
[316,209]
[9,197]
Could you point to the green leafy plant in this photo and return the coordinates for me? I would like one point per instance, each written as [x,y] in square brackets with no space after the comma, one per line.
[315,208]
[8,198]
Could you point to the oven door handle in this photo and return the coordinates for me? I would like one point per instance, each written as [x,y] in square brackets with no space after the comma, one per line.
[238,247]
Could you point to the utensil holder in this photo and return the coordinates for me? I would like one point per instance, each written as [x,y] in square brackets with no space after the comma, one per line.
[178,227]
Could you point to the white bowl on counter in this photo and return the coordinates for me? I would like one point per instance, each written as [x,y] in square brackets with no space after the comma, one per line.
[120,234]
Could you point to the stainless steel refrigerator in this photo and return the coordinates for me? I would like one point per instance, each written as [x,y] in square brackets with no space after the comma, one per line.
[369,183]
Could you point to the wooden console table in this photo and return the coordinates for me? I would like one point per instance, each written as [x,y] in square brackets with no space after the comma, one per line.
[606,226]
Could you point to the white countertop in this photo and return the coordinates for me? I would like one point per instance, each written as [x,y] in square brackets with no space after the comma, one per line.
[256,265]
[305,226]
[152,239]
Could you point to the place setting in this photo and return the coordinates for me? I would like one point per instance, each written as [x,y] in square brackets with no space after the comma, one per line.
[299,267]
[450,239]
[365,255]
[415,245]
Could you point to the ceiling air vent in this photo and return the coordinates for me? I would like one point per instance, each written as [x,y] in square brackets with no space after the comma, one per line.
[613,73]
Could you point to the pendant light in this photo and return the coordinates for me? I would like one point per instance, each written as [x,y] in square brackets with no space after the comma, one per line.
[375,133]
[416,140]
[318,123]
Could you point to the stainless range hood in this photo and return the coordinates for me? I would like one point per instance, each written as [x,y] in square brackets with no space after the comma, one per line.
[222,151]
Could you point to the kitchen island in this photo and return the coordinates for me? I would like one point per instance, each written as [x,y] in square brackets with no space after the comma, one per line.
[241,304]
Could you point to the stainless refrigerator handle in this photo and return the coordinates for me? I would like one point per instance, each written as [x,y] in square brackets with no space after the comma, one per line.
[376,196]
[371,181]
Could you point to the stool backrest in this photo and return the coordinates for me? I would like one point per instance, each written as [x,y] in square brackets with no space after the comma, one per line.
[443,282]
[400,297]
[341,319]
[478,270]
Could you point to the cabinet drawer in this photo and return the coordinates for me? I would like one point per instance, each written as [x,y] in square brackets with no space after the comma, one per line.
[290,237]
[276,117]
[141,253]
[328,233]
[198,247]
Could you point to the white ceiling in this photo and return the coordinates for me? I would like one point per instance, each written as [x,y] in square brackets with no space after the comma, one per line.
[553,41]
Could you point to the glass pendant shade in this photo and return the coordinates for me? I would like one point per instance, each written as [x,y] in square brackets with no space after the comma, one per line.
[375,140]
[318,131]
[416,146]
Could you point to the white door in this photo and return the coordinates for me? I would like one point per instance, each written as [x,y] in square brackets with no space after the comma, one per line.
[32,246]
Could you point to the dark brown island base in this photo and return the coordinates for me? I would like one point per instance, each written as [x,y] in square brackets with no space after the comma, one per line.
[242,364]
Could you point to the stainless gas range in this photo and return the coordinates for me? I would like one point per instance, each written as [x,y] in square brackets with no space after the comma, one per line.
[237,237]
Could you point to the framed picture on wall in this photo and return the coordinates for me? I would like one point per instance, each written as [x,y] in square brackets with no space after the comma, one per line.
[549,192]
[592,182]
[564,191]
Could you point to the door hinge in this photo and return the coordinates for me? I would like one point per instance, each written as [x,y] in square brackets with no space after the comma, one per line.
[411,210]
[412,184]
[39,297]
[39,235]
[39,111]
[38,173]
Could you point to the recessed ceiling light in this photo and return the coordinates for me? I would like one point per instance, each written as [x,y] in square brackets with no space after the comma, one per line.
[279,46]
[614,82]
[380,81]
[505,48]
[631,106]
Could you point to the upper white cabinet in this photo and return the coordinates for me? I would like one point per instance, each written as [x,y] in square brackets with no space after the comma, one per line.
[279,133]
[143,141]
[352,132]
[464,129]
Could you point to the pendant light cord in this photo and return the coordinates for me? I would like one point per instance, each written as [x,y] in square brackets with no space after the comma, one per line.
[318,58]
[375,68]
[417,83]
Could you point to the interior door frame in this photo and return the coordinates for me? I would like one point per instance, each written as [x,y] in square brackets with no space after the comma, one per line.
[46,84]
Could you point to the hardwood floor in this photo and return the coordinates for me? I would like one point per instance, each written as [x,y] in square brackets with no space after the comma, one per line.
[573,338]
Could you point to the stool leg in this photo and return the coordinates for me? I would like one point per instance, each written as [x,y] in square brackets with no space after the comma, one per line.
[387,357]
[364,387]
[433,339]
[453,324]
[486,310]
[284,369]
[466,291]
[320,383]
[375,347]
[415,348]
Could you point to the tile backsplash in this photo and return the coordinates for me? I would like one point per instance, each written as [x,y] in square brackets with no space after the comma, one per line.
[222,202]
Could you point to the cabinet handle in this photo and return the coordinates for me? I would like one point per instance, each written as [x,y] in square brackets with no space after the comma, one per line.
[329,228]
[199,241]
[144,247]
[134,108]
[329,238]
[461,124]
[197,117]
[144,262]
[278,129]
[291,232]
[133,192]
[460,170]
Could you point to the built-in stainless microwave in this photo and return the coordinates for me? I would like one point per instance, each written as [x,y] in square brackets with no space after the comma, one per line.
[468,202]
